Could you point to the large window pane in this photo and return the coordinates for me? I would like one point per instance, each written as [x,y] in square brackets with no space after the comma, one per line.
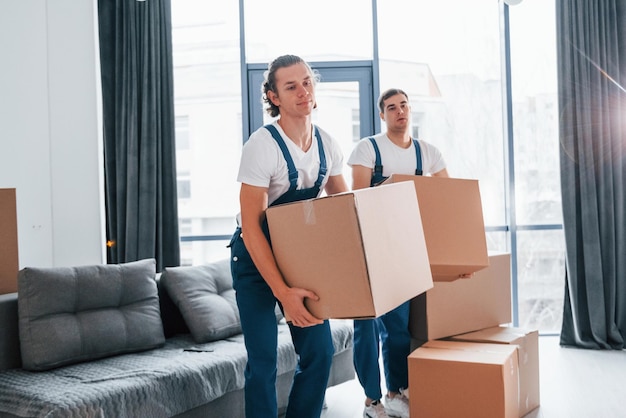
[323,30]
[446,56]
[497,241]
[337,102]
[535,112]
[541,275]
[207,89]
[536,149]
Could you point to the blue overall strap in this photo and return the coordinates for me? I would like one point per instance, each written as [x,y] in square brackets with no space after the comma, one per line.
[418,155]
[323,168]
[293,173]
[378,166]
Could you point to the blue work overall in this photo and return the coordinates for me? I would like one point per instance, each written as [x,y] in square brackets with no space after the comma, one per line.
[257,303]
[392,328]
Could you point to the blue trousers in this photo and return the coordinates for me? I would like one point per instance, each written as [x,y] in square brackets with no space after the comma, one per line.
[392,330]
[313,345]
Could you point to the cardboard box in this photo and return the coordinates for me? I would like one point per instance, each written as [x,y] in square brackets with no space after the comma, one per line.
[458,379]
[454,228]
[464,305]
[362,252]
[9,263]
[527,343]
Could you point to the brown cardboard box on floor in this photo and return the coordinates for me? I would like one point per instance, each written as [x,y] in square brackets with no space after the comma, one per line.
[461,379]
[464,305]
[527,343]
[454,227]
[9,263]
[362,252]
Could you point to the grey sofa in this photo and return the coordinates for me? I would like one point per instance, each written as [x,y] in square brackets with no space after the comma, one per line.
[154,346]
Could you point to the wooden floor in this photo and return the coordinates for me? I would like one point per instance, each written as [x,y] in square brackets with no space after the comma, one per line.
[574,383]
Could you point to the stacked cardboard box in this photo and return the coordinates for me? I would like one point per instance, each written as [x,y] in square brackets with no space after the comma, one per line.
[459,379]
[467,376]
[527,344]
[465,318]
[491,373]
[9,264]
[464,305]
[468,314]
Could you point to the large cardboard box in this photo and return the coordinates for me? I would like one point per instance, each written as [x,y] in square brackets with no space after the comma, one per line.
[459,379]
[362,252]
[527,343]
[454,228]
[464,305]
[9,263]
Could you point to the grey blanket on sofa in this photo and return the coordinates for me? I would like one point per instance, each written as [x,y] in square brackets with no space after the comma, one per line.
[157,383]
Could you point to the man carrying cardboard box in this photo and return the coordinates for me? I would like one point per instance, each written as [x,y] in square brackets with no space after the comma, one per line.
[286,161]
[372,161]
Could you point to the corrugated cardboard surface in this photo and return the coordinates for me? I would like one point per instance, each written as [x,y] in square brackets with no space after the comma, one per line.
[527,343]
[362,252]
[454,227]
[464,305]
[469,380]
[9,262]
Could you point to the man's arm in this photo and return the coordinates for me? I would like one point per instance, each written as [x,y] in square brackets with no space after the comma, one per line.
[361,177]
[441,173]
[336,184]
[253,202]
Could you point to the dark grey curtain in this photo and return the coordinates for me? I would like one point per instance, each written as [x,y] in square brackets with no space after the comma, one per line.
[592,103]
[139,143]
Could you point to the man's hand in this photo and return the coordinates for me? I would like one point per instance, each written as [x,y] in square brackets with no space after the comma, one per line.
[292,300]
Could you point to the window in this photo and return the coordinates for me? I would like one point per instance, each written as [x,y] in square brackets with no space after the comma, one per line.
[183,181]
[182,134]
[311,31]
[356,125]
[207,90]
[447,56]
[183,156]
[416,117]
[540,241]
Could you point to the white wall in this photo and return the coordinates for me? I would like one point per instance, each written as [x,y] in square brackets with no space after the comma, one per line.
[50,129]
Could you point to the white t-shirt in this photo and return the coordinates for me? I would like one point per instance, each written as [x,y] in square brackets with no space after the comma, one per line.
[396,160]
[263,164]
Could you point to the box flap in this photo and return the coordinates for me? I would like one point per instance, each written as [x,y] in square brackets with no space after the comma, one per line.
[499,334]
[474,352]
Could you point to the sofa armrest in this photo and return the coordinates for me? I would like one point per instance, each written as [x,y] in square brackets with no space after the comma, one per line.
[10,357]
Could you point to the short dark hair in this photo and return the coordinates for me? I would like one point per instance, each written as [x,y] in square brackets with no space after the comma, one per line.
[387,94]
[269,83]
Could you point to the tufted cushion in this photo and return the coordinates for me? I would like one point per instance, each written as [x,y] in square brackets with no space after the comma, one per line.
[73,314]
[206,299]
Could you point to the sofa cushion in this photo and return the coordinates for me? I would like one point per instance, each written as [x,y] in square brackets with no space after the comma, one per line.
[206,299]
[73,314]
